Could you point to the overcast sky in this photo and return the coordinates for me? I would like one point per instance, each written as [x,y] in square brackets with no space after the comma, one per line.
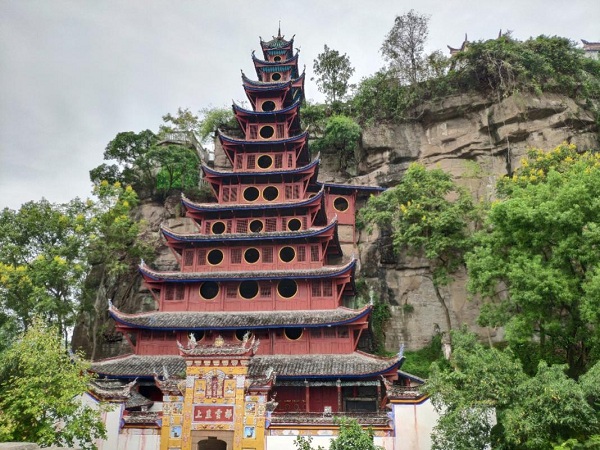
[75,73]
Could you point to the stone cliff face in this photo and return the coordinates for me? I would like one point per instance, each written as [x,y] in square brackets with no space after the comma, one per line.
[477,141]
[473,138]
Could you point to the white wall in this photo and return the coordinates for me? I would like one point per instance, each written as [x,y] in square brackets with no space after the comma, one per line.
[413,425]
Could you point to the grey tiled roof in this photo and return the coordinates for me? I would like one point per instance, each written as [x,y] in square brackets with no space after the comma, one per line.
[355,364]
[236,320]
[131,366]
[137,400]
[351,365]
[247,274]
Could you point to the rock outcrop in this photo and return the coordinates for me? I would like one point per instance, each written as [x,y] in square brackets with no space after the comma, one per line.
[477,141]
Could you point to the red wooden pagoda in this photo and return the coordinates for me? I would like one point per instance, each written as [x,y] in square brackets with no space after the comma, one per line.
[263,284]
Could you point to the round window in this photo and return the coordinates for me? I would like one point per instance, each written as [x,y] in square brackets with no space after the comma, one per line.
[277,58]
[251,194]
[287,254]
[256,226]
[269,105]
[276,76]
[293,334]
[218,228]
[341,204]
[270,193]
[215,257]
[267,132]
[248,289]
[251,255]
[294,225]
[209,290]
[198,335]
[265,161]
[239,334]
[287,288]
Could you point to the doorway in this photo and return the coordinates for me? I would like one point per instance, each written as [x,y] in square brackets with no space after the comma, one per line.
[212,443]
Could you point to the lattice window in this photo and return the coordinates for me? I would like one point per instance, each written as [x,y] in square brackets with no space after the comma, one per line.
[201,257]
[278,161]
[290,161]
[253,132]
[188,258]
[239,160]
[284,222]
[229,223]
[304,223]
[329,332]
[314,253]
[265,290]
[169,292]
[241,226]
[267,255]
[251,163]
[233,194]
[327,288]
[225,195]
[288,192]
[315,288]
[315,333]
[343,332]
[207,225]
[231,292]
[236,256]
[280,130]
[179,291]
[296,191]
[270,224]
[301,254]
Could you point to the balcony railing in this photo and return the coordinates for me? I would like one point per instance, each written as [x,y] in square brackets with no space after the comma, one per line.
[304,418]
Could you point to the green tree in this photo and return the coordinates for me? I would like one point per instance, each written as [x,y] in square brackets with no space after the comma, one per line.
[183,121]
[41,387]
[536,261]
[179,168]
[132,166]
[486,385]
[429,216]
[342,135]
[42,266]
[404,46]
[214,119]
[333,72]
[352,436]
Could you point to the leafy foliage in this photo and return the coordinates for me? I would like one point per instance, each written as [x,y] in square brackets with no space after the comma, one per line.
[486,385]
[41,385]
[352,436]
[214,119]
[537,261]
[333,72]
[342,135]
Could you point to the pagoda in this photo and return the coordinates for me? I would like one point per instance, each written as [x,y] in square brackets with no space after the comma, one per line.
[253,339]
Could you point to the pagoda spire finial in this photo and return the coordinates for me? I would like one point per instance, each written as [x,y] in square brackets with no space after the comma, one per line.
[279,30]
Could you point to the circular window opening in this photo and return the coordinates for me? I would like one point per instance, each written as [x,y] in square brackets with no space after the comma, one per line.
[341,204]
[251,194]
[214,257]
[198,335]
[218,228]
[256,226]
[248,289]
[267,132]
[270,193]
[294,225]
[268,106]
[251,255]
[293,334]
[287,288]
[265,161]
[276,76]
[239,334]
[209,290]
[277,58]
[287,254]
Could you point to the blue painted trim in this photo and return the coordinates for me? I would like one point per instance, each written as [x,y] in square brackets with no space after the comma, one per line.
[270,172]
